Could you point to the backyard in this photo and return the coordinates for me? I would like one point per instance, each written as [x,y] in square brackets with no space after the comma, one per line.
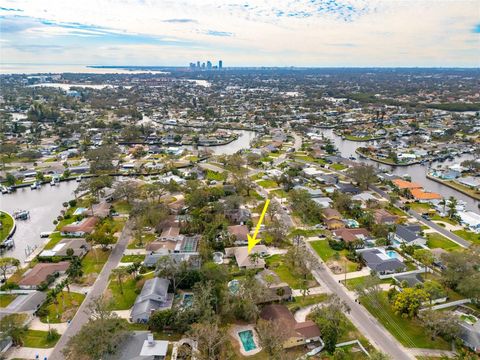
[286,273]
[39,339]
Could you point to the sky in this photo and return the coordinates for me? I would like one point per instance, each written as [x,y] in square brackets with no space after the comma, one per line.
[312,33]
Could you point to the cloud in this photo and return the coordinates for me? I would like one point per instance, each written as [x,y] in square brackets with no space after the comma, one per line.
[218,33]
[180,21]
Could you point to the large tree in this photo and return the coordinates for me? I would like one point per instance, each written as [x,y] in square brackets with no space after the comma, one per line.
[272,335]
[6,263]
[409,300]
[440,323]
[100,336]
[364,175]
[212,341]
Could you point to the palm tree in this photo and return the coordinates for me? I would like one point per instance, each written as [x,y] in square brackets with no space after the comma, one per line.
[120,273]
[443,203]
[452,206]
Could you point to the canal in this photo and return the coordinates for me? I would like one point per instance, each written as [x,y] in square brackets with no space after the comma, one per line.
[416,172]
[44,205]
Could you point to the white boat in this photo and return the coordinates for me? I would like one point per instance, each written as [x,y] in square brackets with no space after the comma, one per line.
[53,182]
[21,214]
[79,178]
[35,185]
[4,190]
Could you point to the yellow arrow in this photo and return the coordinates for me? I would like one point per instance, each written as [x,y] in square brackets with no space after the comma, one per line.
[252,240]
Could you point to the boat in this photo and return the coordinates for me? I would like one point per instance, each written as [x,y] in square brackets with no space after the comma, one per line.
[352,157]
[21,215]
[36,185]
[53,182]
[4,190]
[79,178]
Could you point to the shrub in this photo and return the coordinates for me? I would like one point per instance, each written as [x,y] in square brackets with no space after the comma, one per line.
[336,245]
[72,203]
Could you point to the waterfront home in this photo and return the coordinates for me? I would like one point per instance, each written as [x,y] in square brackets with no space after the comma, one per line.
[299,333]
[382,216]
[408,235]
[246,260]
[470,182]
[80,228]
[153,297]
[403,184]
[239,234]
[470,220]
[381,262]
[79,246]
[424,196]
[34,277]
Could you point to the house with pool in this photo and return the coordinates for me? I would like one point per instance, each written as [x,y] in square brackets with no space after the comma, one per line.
[382,261]
[299,333]
[408,235]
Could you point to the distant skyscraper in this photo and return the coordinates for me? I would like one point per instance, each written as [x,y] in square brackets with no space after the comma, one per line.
[209,65]
[198,64]
[203,66]
[220,64]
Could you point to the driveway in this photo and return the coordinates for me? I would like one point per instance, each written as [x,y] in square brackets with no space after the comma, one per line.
[82,316]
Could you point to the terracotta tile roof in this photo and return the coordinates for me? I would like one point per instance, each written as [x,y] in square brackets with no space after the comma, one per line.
[419,194]
[349,235]
[402,184]
[86,225]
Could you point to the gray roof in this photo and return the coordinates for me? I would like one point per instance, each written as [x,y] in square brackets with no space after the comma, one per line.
[470,334]
[408,233]
[130,348]
[411,279]
[154,296]
[376,263]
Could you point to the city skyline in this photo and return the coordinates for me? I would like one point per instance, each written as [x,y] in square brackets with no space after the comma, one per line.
[343,33]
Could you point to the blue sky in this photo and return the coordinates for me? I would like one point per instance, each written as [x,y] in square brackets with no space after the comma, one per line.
[241,33]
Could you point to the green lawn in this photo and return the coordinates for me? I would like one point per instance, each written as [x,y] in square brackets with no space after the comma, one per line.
[437,217]
[38,339]
[7,225]
[6,299]
[280,193]
[94,260]
[409,332]
[419,207]
[285,273]
[132,258]
[122,301]
[268,184]
[147,238]
[68,304]
[338,167]
[468,235]
[122,206]
[323,249]
[212,175]
[327,254]
[300,301]
[436,240]
[54,240]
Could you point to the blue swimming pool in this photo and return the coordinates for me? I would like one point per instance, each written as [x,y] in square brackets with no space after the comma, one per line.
[247,340]
[392,254]
[79,211]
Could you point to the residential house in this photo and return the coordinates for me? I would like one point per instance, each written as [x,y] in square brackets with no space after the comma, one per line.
[277,290]
[80,228]
[39,273]
[153,297]
[324,202]
[347,188]
[357,237]
[140,345]
[332,219]
[382,216]
[403,184]
[239,233]
[79,246]
[424,196]
[470,335]
[299,333]
[470,219]
[246,260]
[408,235]
[379,262]
[238,216]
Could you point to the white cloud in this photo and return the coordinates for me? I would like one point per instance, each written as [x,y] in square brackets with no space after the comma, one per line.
[280,32]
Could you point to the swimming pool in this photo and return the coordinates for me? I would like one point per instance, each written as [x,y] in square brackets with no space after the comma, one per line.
[79,211]
[392,254]
[246,337]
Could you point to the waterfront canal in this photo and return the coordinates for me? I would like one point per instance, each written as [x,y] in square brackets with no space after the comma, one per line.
[416,172]
[44,205]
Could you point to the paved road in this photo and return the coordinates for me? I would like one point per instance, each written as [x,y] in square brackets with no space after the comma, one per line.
[82,316]
[360,317]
